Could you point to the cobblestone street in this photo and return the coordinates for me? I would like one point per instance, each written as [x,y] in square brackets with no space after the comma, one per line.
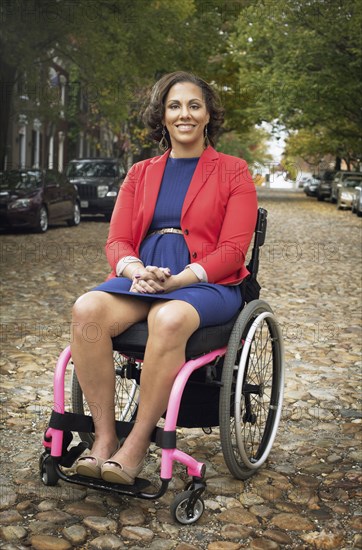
[308,494]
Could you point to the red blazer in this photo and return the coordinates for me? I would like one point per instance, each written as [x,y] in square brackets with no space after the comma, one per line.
[218,216]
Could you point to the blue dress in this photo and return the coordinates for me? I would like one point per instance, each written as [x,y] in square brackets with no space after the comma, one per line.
[215,304]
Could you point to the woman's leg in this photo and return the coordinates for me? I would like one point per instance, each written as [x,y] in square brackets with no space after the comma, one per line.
[170,326]
[97,317]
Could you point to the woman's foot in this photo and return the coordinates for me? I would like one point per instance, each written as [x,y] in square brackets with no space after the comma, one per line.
[115,472]
[126,464]
[91,465]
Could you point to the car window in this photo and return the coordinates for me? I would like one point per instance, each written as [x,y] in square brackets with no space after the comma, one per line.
[20,180]
[92,169]
[352,182]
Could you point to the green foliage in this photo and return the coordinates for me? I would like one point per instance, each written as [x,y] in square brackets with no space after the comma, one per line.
[300,65]
[251,145]
[113,51]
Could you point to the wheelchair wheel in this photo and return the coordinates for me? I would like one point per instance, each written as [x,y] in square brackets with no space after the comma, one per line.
[126,396]
[252,390]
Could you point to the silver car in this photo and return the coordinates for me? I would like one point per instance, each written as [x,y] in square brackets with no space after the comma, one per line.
[357,201]
[346,191]
[339,179]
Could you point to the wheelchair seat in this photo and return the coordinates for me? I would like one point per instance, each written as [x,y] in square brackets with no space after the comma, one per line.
[133,341]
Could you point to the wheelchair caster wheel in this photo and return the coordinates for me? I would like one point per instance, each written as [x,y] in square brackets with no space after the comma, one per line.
[184,510]
[48,474]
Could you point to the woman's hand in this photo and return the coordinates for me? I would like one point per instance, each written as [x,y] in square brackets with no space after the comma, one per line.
[153,279]
[150,279]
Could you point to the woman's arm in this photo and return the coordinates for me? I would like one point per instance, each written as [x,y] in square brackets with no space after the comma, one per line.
[237,228]
[120,243]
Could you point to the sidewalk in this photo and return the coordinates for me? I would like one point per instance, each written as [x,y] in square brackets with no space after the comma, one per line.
[306,497]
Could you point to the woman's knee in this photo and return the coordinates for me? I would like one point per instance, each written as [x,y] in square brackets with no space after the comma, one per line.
[172,325]
[88,307]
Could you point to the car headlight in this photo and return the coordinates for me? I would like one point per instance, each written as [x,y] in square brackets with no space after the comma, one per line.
[19,204]
[112,194]
[102,191]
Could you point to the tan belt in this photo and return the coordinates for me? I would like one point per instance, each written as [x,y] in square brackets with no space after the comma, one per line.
[166,230]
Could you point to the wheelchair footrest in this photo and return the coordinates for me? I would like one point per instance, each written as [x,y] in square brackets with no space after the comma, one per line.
[138,487]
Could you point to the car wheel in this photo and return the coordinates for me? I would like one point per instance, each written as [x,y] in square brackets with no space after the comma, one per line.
[76,215]
[43,221]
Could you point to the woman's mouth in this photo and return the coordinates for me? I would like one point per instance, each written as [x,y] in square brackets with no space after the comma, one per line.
[185,127]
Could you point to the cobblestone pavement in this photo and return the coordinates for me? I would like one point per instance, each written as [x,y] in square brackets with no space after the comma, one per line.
[306,496]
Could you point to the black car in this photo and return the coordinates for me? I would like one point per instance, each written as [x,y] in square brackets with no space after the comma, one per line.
[324,190]
[37,198]
[98,181]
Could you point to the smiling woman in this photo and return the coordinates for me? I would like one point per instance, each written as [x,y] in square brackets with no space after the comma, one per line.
[182,85]
[186,119]
[178,239]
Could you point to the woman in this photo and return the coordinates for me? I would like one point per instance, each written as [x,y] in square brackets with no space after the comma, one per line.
[178,238]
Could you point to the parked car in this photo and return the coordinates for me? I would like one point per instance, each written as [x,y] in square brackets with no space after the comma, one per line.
[98,181]
[302,181]
[339,178]
[346,192]
[311,186]
[357,201]
[324,190]
[37,198]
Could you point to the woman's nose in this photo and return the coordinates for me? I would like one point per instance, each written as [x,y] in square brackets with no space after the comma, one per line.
[184,111]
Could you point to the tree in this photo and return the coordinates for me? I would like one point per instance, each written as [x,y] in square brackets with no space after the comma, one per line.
[112,44]
[300,64]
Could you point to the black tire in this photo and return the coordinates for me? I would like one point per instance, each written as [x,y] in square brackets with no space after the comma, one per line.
[320,197]
[47,471]
[75,220]
[42,223]
[178,508]
[252,390]
[126,396]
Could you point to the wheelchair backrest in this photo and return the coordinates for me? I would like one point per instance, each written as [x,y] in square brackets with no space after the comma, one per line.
[259,239]
[250,287]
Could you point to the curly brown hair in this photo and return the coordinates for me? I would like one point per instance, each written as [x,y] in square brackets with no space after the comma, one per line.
[155,110]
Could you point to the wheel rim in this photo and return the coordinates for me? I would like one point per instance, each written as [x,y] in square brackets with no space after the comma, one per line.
[43,219]
[181,514]
[258,401]
[76,216]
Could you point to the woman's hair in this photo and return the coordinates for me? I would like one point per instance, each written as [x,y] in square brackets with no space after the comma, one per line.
[154,112]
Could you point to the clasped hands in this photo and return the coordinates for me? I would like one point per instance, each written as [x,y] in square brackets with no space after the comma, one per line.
[151,279]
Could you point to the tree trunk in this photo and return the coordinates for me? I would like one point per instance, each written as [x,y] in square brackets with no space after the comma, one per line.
[7,82]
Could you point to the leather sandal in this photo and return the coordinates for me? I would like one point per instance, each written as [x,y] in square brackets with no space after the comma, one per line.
[115,472]
[91,466]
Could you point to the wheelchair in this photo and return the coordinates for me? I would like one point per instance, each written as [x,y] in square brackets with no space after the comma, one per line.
[233,378]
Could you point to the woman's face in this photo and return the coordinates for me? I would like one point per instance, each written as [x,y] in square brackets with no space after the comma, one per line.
[186,116]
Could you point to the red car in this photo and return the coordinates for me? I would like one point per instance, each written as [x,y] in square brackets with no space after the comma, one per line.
[37,198]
